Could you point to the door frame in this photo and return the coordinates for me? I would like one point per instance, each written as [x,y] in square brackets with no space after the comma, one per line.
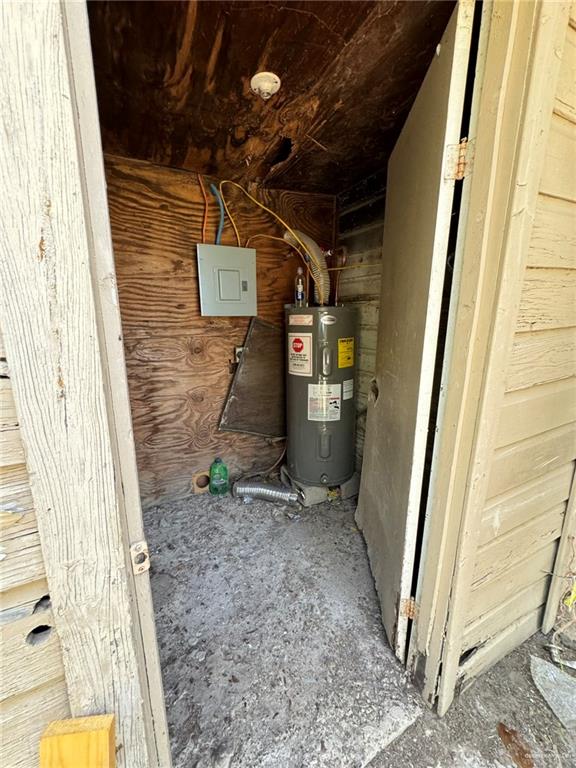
[62,330]
[91,160]
[513,106]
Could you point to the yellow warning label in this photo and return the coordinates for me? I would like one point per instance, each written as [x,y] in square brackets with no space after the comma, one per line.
[346,352]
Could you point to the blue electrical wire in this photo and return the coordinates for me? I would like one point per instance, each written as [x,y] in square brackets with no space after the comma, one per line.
[221,204]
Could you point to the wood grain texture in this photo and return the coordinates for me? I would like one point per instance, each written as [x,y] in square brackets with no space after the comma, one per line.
[8,417]
[500,645]
[503,552]
[553,238]
[521,462]
[363,206]
[173,84]
[16,506]
[566,89]
[51,339]
[515,508]
[178,361]
[22,601]
[86,741]
[21,560]
[490,594]
[491,624]
[548,299]
[11,448]
[529,412]
[559,174]
[540,357]
[24,719]
[31,654]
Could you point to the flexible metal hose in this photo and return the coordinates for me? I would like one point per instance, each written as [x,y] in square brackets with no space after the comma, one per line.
[318,265]
[265,491]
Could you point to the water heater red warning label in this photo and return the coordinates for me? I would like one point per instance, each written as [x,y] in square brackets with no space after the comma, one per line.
[300,354]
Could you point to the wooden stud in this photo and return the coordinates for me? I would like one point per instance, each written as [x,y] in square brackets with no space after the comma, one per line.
[82,741]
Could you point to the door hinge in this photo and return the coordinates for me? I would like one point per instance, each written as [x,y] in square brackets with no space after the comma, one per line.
[408,608]
[140,557]
[458,161]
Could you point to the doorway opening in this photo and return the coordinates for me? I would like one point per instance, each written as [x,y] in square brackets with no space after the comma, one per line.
[268,620]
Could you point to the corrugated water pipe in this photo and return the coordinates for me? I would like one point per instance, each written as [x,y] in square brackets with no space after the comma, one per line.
[265,491]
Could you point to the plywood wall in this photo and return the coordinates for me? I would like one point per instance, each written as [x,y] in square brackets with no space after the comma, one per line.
[178,361]
[32,687]
[532,469]
[361,226]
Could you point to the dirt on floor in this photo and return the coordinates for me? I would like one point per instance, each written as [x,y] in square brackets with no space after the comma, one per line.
[271,644]
[273,653]
[500,721]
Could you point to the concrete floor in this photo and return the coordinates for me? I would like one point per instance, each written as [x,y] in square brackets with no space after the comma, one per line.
[467,736]
[273,653]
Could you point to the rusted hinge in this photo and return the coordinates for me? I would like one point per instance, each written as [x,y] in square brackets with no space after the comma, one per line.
[408,608]
[458,161]
[140,557]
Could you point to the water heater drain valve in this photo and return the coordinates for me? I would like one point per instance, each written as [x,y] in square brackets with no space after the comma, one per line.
[265,84]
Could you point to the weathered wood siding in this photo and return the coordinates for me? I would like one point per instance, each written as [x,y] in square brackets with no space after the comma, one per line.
[532,468]
[361,226]
[32,687]
[178,361]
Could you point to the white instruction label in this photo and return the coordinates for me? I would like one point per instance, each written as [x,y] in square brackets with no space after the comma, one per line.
[348,389]
[324,402]
[301,320]
[300,354]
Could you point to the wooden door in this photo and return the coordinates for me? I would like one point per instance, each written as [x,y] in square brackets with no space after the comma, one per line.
[420,190]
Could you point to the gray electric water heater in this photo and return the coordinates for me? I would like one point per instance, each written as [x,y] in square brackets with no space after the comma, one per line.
[320,412]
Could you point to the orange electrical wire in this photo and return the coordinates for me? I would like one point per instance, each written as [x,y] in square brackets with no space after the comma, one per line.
[205,217]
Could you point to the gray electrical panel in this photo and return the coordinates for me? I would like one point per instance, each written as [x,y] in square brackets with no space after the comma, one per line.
[227,280]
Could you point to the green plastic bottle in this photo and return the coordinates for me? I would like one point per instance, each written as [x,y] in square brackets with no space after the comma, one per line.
[218,478]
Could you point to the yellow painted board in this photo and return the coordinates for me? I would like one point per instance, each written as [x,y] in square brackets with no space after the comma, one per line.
[80,742]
